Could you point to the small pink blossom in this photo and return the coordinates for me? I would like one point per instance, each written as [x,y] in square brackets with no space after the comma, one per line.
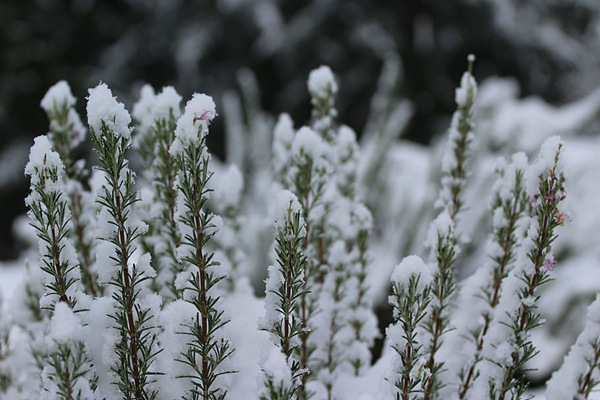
[550,263]
[533,201]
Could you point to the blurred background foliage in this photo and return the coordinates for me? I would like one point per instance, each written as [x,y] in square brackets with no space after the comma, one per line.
[552,47]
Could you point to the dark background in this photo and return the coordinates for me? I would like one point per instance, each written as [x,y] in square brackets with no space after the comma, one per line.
[550,47]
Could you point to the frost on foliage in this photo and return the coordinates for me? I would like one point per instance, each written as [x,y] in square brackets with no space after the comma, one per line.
[578,374]
[104,110]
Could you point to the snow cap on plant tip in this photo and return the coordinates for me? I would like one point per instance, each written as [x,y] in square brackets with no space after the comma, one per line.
[310,143]
[57,96]
[286,204]
[467,89]
[544,164]
[168,99]
[102,107]
[42,156]
[412,266]
[321,81]
[192,126]
[283,132]
[142,110]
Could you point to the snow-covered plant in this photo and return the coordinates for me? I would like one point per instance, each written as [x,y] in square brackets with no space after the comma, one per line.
[517,309]
[157,117]
[444,239]
[481,292]
[141,290]
[285,289]
[410,285]
[207,348]
[119,229]
[66,133]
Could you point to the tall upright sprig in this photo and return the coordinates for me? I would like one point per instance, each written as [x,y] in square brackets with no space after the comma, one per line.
[481,295]
[323,88]
[119,229]
[285,288]
[444,237]
[50,217]
[410,298]
[207,348]
[309,174]
[67,370]
[157,118]
[519,294]
[577,377]
[66,133]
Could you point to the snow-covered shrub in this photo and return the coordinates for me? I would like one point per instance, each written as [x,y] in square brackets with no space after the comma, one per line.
[147,289]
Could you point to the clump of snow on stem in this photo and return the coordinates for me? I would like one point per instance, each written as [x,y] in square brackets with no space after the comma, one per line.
[58,95]
[42,158]
[467,90]
[309,143]
[321,82]
[286,205]
[544,163]
[103,108]
[412,266]
[143,108]
[283,137]
[193,124]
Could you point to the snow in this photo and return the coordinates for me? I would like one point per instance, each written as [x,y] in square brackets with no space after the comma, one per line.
[142,110]
[57,96]
[286,204]
[467,89]
[102,107]
[43,157]
[227,187]
[412,266]
[321,82]
[309,143]
[193,124]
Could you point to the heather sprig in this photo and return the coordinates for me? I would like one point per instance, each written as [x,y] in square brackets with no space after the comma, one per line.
[157,119]
[66,133]
[444,237]
[323,88]
[285,288]
[509,206]
[535,269]
[410,299]
[120,230]
[207,349]
[457,151]
[577,377]
[50,217]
